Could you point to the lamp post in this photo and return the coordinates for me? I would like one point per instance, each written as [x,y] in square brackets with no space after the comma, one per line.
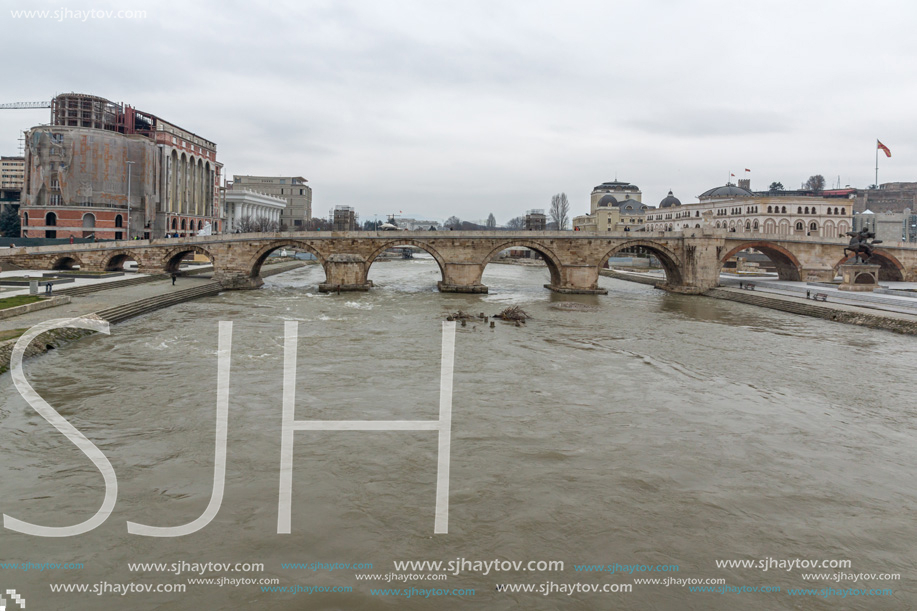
[130,167]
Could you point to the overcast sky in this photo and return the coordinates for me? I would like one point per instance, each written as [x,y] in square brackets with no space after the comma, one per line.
[465,108]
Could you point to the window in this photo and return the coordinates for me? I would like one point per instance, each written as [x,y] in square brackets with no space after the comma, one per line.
[54,200]
[50,219]
[783,210]
[843,211]
[829,210]
[25,218]
[799,210]
[119,222]
[769,209]
[799,226]
[813,226]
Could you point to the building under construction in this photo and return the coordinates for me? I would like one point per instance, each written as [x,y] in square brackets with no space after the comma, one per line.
[107,170]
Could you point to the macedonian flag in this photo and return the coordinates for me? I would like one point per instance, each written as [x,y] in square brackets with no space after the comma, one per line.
[882,147]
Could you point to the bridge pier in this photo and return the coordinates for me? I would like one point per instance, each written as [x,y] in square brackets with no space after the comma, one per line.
[236,280]
[462,278]
[345,272]
[578,280]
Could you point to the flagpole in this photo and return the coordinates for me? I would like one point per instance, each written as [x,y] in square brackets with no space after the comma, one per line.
[877,164]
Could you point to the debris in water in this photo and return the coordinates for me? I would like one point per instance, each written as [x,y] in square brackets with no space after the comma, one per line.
[514,313]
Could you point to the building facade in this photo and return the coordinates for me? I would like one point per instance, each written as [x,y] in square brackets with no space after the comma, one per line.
[12,172]
[785,213]
[293,189]
[613,206]
[535,220]
[110,171]
[250,211]
[890,227]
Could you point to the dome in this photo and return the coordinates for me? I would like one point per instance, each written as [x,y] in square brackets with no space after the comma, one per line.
[727,190]
[670,200]
[607,200]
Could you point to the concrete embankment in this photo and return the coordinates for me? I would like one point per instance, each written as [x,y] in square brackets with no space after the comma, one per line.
[889,321]
[850,314]
[57,337]
[44,304]
[610,273]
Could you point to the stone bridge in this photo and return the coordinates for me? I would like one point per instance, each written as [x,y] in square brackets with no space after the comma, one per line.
[692,261]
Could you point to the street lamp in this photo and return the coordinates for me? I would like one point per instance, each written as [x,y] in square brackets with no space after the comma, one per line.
[129,169]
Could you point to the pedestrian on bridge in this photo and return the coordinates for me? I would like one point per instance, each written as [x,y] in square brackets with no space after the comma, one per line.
[173,278]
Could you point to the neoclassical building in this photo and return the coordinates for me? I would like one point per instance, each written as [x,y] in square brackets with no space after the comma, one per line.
[737,209]
[613,206]
[111,171]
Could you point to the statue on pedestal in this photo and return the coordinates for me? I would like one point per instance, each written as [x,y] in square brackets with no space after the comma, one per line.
[860,244]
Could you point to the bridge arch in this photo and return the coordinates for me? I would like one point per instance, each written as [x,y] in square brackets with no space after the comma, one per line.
[788,266]
[550,257]
[66,262]
[116,260]
[440,261]
[172,260]
[670,262]
[890,270]
[261,255]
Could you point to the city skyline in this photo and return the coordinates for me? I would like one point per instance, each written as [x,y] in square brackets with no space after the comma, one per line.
[476,109]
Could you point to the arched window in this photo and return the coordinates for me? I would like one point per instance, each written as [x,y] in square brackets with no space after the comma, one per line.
[200,225]
[748,226]
[835,211]
[783,210]
[755,226]
[51,219]
[813,226]
[697,226]
[183,224]
[769,209]
[829,209]
[799,210]
[119,222]
[807,209]
[717,224]
[174,223]
[799,226]
[25,218]
[843,211]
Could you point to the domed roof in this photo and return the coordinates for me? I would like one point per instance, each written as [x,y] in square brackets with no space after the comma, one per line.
[670,200]
[727,190]
[631,206]
[607,200]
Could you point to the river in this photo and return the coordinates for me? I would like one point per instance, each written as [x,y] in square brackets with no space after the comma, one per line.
[637,428]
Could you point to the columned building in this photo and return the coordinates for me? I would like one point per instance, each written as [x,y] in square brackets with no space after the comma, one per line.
[110,171]
[292,189]
[730,208]
[250,211]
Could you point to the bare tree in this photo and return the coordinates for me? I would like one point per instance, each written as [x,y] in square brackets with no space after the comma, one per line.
[560,209]
[257,224]
[317,224]
[491,221]
[815,183]
[516,223]
[453,222]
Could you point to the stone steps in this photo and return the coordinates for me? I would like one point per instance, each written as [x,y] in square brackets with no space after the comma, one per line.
[151,304]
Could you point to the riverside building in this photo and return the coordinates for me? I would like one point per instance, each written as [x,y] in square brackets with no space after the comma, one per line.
[110,171]
[735,208]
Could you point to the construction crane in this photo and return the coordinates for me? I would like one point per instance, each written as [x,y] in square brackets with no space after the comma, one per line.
[25,105]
